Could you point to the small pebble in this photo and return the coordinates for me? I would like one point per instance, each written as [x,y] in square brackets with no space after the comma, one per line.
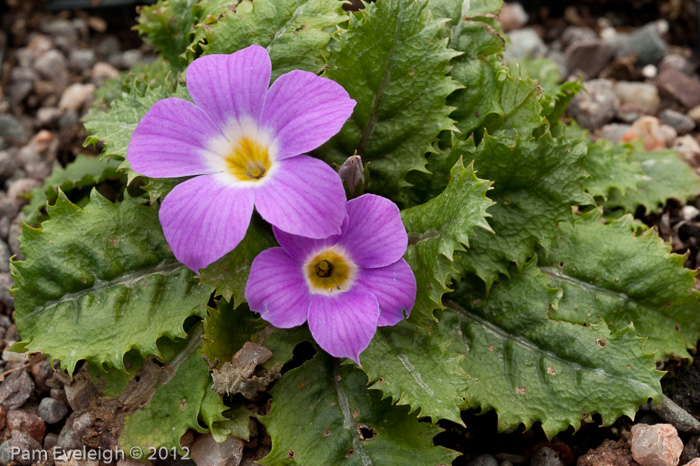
[525,43]
[656,445]
[50,441]
[545,456]
[206,452]
[595,106]
[16,389]
[52,411]
[512,17]
[681,122]
[28,447]
[642,95]
[28,423]
[694,462]
[75,96]
[650,71]
[483,460]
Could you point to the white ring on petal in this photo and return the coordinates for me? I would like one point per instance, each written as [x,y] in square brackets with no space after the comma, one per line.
[347,284]
[223,145]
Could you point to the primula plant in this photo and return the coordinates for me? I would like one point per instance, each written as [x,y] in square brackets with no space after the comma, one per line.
[485,257]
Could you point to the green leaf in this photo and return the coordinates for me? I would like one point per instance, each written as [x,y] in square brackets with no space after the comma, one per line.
[322,413]
[174,408]
[457,10]
[536,183]
[83,172]
[611,275]
[229,274]
[236,423]
[530,368]
[169,25]
[411,365]
[393,63]
[226,330]
[116,125]
[295,32]
[440,227]
[611,166]
[496,99]
[668,178]
[111,381]
[104,270]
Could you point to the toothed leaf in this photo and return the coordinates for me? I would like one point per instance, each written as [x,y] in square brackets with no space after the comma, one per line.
[393,63]
[440,227]
[411,365]
[529,368]
[104,270]
[669,178]
[295,32]
[322,413]
[611,275]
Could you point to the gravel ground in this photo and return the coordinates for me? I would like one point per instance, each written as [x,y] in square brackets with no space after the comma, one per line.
[641,81]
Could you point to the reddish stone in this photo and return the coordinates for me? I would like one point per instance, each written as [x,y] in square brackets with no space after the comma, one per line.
[683,88]
[609,453]
[657,445]
[30,424]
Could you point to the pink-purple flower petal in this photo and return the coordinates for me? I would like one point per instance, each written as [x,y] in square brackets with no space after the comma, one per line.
[171,140]
[394,286]
[343,324]
[303,111]
[303,197]
[301,247]
[277,290]
[375,235]
[203,219]
[230,87]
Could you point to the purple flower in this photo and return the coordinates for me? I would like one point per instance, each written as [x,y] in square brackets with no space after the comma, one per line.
[244,141]
[345,285]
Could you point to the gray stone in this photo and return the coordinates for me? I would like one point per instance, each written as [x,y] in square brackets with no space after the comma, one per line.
[5,453]
[574,34]
[6,297]
[681,122]
[68,119]
[678,63]
[206,452]
[4,257]
[681,87]
[545,456]
[8,165]
[108,47]
[82,59]
[22,82]
[52,411]
[483,460]
[614,132]
[11,129]
[589,57]
[643,96]
[19,189]
[525,43]
[646,43]
[50,441]
[13,240]
[4,227]
[16,388]
[594,106]
[560,59]
[47,117]
[51,64]
[28,448]
[67,439]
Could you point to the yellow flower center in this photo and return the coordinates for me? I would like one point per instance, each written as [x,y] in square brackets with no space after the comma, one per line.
[248,160]
[329,272]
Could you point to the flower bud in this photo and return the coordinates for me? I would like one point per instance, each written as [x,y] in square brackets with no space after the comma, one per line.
[353,175]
